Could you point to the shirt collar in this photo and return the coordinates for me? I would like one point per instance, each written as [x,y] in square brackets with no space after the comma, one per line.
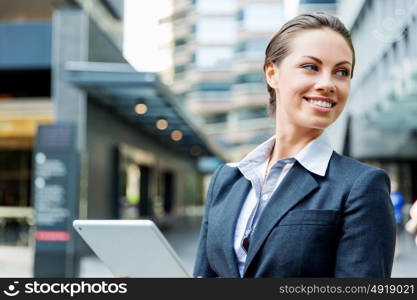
[315,156]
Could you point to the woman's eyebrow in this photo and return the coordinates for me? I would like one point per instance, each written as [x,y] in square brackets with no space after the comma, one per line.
[320,62]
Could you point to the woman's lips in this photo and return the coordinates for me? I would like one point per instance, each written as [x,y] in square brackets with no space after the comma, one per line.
[319,104]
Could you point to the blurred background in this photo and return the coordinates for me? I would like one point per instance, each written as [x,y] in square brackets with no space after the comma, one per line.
[113,109]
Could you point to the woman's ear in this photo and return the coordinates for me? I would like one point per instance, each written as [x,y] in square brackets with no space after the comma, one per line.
[271,74]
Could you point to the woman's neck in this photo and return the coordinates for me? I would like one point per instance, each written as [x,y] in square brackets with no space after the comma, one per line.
[288,144]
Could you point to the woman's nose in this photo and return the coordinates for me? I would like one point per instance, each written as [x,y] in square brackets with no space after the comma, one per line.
[326,84]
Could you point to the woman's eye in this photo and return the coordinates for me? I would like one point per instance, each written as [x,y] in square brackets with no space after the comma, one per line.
[310,67]
[342,72]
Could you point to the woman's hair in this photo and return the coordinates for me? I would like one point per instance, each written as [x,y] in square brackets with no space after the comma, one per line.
[279,46]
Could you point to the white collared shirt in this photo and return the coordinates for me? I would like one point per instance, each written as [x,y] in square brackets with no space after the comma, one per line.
[315,157]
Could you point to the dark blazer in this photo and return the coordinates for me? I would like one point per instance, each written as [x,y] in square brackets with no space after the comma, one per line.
[338,225]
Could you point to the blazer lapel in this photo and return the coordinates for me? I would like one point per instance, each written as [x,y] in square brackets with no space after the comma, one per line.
[297,184]
[230,212]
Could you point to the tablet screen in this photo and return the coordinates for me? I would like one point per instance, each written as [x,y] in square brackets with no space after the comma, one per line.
[133,248]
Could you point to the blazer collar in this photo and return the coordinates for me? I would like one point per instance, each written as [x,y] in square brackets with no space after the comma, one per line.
[233,204]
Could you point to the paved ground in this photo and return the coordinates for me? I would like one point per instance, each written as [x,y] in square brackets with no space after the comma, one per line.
[405,265]
[18,261]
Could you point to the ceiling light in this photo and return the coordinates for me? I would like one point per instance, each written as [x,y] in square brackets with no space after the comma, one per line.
[176,135]
[162,124]
[141,108]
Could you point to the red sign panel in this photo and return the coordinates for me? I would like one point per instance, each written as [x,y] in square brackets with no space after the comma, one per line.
[52,236]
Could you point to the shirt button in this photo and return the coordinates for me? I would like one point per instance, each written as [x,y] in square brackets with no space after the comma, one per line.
[265,197]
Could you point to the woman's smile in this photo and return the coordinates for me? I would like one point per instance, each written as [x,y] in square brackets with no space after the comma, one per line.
[320,104]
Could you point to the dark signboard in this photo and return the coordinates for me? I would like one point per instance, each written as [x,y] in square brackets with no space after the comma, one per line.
[56,196]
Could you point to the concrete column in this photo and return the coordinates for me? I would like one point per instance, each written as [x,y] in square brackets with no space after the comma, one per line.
[70,41]
[70,36]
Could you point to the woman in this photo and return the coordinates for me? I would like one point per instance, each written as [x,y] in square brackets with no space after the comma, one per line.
[293,207]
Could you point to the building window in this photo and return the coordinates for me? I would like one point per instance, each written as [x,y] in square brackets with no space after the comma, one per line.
[240,15]
[212,86]
[193,58]
[15,177]
[257,77]
[180,69]
[253,48]
[263,17]
[240,47]
[217,118]
[214,57]
[180,42]
[193,28]
[216,30]
[252,113]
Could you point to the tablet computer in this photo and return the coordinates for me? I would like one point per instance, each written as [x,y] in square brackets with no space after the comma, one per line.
[132,248]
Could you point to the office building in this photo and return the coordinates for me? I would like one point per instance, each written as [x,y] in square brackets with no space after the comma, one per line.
[381,125]
[218,55]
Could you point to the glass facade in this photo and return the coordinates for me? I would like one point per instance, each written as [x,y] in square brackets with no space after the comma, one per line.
[227,48]
[214,57]
[211,30]
[262,17]
[217,118]
[216,6]
[254,77]
[212,86]
[252,113]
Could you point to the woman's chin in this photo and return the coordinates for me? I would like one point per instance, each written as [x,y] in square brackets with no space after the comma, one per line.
[320,123]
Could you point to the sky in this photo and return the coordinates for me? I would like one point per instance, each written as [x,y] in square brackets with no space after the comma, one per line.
[143,36]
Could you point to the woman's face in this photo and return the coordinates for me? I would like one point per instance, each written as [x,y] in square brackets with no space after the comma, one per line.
[312,82]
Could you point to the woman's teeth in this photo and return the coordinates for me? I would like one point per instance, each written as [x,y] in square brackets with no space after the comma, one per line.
[320,103]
